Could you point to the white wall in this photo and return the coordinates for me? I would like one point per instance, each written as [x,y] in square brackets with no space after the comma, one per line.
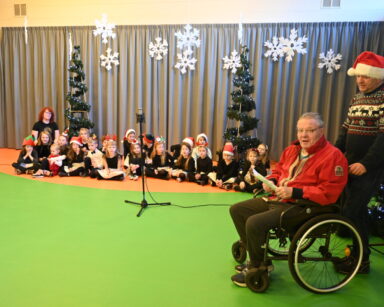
[124,12]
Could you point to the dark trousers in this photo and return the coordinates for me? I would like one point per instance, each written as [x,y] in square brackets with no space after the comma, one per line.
[354,200]
[253,219]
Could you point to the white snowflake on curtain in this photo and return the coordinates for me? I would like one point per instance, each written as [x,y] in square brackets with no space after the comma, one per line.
[159,49]
[233,62]
[292,44]
[105,29]
[184,61]
[188,39]
[330,61]
[109,59]
[275,49]
[287,47]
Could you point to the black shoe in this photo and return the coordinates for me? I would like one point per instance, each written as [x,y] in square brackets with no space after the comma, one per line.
[237,188]
[239,279]
[84,174]
[346,265]
[63,174]
[240,267]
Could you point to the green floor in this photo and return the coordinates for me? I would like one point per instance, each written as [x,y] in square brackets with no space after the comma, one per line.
[74,246]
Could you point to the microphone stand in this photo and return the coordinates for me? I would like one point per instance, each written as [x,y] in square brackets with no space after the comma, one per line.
[140,118]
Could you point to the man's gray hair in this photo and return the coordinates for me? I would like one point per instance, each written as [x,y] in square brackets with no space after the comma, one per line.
[313,115]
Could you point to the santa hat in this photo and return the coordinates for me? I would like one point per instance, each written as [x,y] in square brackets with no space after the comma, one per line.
[201,135]
[228,149]
[198,143]
[190,141]
[148,138]
[65,133]
[368,64]
[128,132]
[29,140]
[77,140]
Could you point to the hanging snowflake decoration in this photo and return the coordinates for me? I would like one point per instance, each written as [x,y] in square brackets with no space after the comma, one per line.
[184,61]
[275,49]
[330,61]
[188,39]
[287,47]
[293,44]
[105,29]
[159,49]
[107,61]
[233,62]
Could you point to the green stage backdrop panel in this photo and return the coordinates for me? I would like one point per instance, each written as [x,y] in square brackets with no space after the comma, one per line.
[73,246]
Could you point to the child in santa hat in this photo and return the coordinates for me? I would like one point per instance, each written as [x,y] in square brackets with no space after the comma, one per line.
[27,157]
[74,165]
[201,140]
[203,164]
[227,169]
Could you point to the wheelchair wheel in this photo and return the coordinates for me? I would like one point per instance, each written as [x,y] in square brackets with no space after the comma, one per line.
[239,251]
[275,249]
[313,267]
[257,281]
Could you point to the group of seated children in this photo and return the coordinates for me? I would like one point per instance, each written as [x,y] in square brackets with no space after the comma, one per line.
[188,161]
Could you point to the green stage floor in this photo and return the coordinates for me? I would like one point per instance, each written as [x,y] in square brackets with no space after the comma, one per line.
[74,246]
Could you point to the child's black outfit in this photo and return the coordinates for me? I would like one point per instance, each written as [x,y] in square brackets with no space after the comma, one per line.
[162,173]
[251,183]
[189,169]
[22,165]
[204,167]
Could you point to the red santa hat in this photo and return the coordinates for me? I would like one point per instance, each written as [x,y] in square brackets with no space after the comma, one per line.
[228,149]
[190,141]
[128,132]
[201,135]
[368,64]
[77,140]
[29,140]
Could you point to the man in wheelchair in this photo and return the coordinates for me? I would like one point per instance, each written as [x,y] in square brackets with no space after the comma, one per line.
[310,170]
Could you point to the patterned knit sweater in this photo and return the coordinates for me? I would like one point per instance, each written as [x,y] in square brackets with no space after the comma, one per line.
[362,134]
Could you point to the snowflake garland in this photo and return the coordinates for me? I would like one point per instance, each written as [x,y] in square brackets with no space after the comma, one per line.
[286,46]
[233,62]
[188,39]
[109,59]
[185,61]
[159,49]
[105,29]
[330,61]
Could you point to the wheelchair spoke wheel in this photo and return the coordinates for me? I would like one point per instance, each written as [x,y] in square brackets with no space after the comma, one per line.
[239,252]
[314,267]
[275,249]
[257,281]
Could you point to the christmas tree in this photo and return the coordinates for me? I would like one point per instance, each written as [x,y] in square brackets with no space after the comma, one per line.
[77,112]
[241,107]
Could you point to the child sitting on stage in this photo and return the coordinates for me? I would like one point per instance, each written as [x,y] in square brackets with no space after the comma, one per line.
[27,157]
[51,165]
[75,159]
[162,161]
[113,164]
[204,164]
[94,159]
[184,167]
[133,161]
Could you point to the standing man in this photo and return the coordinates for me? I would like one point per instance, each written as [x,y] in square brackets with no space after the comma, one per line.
[362,140]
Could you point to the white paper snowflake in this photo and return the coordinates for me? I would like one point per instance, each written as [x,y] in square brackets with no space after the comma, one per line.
[158,49]
[293,44]
[109,59]
[188,39]
[184,61]
[275,49]
[233,62]
[330,61]
[105,29]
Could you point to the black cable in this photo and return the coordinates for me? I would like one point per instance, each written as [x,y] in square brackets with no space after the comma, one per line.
[187,207]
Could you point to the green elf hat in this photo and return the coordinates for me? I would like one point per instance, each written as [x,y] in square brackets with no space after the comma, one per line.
[29,140]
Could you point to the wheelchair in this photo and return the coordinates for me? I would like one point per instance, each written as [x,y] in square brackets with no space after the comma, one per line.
[309,237]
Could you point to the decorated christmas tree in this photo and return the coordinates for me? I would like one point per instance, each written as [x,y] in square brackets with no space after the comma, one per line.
[77,112]
[243,104]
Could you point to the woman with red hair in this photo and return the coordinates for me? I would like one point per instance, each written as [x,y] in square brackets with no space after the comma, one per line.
[46,120]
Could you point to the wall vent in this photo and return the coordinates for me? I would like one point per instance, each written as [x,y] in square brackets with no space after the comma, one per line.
[20,10]
[330,3]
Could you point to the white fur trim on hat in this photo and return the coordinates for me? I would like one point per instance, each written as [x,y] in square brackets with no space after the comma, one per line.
[366,70]
[129,131]
[202,135]
[189,141]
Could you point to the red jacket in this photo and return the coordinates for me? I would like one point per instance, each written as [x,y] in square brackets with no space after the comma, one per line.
[323,175]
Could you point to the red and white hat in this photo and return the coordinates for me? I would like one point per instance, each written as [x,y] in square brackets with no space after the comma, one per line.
[202,135]
[77,140]
[190,141]
[368,64]
[228,149]
[128,132]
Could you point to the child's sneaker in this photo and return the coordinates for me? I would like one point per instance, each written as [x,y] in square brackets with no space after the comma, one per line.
[131,176]
[135,177]
[37,175]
